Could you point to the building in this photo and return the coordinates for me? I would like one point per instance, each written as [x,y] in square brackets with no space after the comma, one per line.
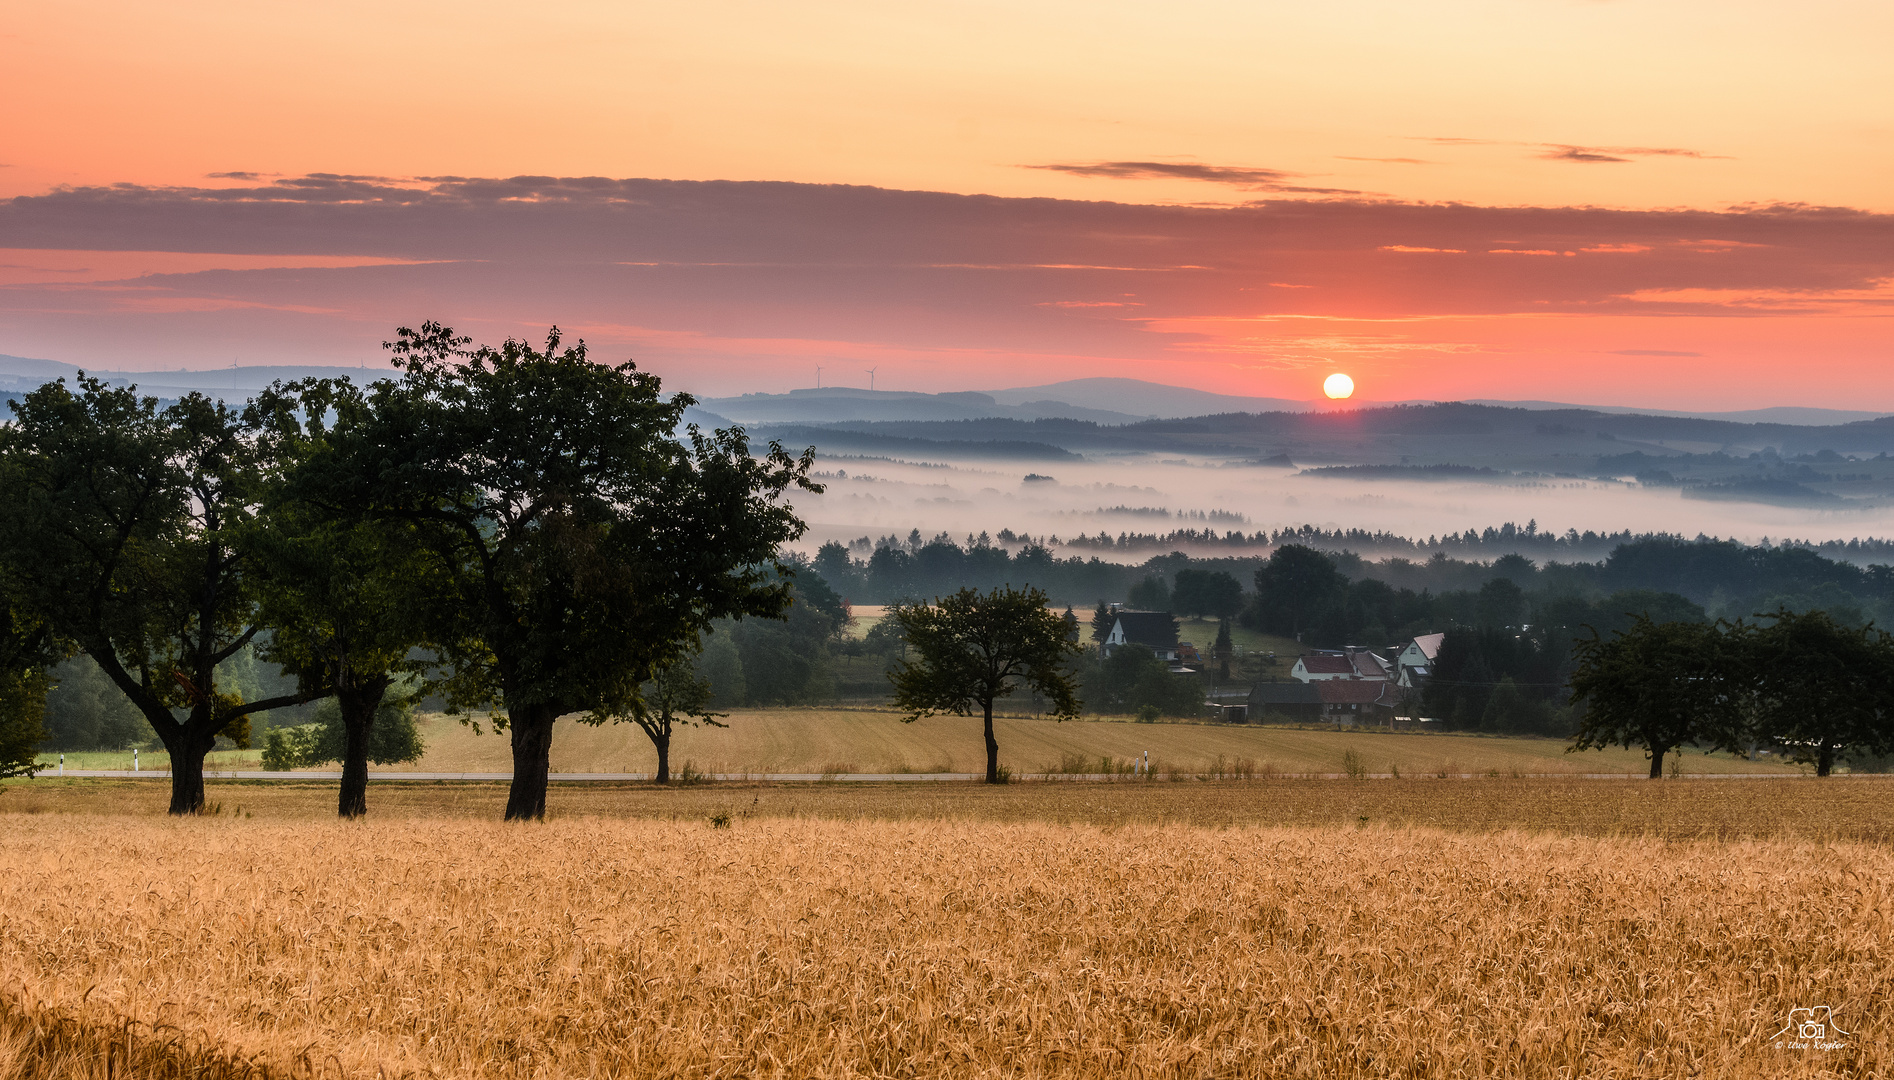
[1416,660]
[1347,664]
[1344,702]
[1153,630]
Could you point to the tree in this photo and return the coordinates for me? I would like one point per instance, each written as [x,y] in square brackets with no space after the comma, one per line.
[129,536]
[1821,689]
[676,695]
[1151,594]
[973,648]
[1102,620]
[1133,680]
[1223,650]
[343,594]
[585,544]
[1294,586]
[27,647]
[1661,686]
[1211,593]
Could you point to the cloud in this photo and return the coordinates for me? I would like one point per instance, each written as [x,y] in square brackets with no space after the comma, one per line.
[1248,177]
[1593,154]
[318,269]
[1652,352]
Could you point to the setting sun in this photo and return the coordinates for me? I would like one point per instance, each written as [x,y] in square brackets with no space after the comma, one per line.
[1338,385]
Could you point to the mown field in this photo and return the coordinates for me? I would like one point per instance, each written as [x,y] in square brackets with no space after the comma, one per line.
[877,741]
[890,943]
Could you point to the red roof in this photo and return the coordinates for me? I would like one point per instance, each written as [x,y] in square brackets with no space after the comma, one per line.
[1327,664]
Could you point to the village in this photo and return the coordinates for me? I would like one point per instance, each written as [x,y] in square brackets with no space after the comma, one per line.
[1355,686]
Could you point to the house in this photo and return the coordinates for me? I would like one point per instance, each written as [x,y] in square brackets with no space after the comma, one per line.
[1416,660]
[1347,664]
[1153,630]
[1345,702]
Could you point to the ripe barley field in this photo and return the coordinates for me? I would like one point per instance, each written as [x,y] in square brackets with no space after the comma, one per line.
[808,940]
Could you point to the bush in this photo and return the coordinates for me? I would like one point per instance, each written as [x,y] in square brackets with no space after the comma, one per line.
[392,740]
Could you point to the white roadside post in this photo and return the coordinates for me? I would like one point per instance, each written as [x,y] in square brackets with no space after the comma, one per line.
[62,764]
[134,759]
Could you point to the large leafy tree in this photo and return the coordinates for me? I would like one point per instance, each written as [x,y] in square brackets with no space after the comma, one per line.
[344,595]
[1662,686]
[1821,688]
[1212,593]
[1294,587]
[972,648]
[585,544]
[129,537]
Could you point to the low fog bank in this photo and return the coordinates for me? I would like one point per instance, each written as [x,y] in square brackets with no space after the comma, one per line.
[1128,509]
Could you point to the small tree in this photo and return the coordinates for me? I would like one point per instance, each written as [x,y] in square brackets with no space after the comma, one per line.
[1223,650]
[1821,689]
[973,648]
[1661,686]
[676,695]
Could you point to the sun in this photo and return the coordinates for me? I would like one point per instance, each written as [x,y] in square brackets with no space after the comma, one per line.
[1338,385]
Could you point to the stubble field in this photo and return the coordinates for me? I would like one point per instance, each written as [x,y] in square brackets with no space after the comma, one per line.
[1040,930]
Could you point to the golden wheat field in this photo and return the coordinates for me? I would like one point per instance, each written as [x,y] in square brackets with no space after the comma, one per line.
[425,943]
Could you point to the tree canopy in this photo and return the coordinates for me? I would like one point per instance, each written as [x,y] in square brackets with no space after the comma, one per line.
[972,648]
[1661,686]
[129,536]
[585,545]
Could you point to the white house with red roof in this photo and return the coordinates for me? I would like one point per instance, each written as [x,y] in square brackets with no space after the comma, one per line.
[1416,661]
[1351,665]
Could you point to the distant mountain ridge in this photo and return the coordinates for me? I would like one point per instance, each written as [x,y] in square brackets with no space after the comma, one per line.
[1102,400]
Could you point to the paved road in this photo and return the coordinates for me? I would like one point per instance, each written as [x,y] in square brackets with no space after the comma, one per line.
[557,778]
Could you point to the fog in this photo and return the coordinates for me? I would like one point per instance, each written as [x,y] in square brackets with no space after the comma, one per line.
[874,497]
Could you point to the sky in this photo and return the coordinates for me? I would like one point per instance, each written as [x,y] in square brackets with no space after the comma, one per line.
[1676,205]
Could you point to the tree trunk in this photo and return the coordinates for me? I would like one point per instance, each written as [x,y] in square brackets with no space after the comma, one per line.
[1657,763]
[532,761]
[187,744]
[992,747]
[662,740]
[1825,759]
[358,722]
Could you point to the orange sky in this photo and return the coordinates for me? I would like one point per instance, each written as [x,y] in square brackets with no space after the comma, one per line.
[1616,106]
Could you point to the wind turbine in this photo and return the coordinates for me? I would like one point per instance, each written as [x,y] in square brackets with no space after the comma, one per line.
[871,378]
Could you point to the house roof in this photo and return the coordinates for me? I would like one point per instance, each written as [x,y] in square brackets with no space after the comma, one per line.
[1429,645]
[1353,662]
[1326,664]
[1157,629]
